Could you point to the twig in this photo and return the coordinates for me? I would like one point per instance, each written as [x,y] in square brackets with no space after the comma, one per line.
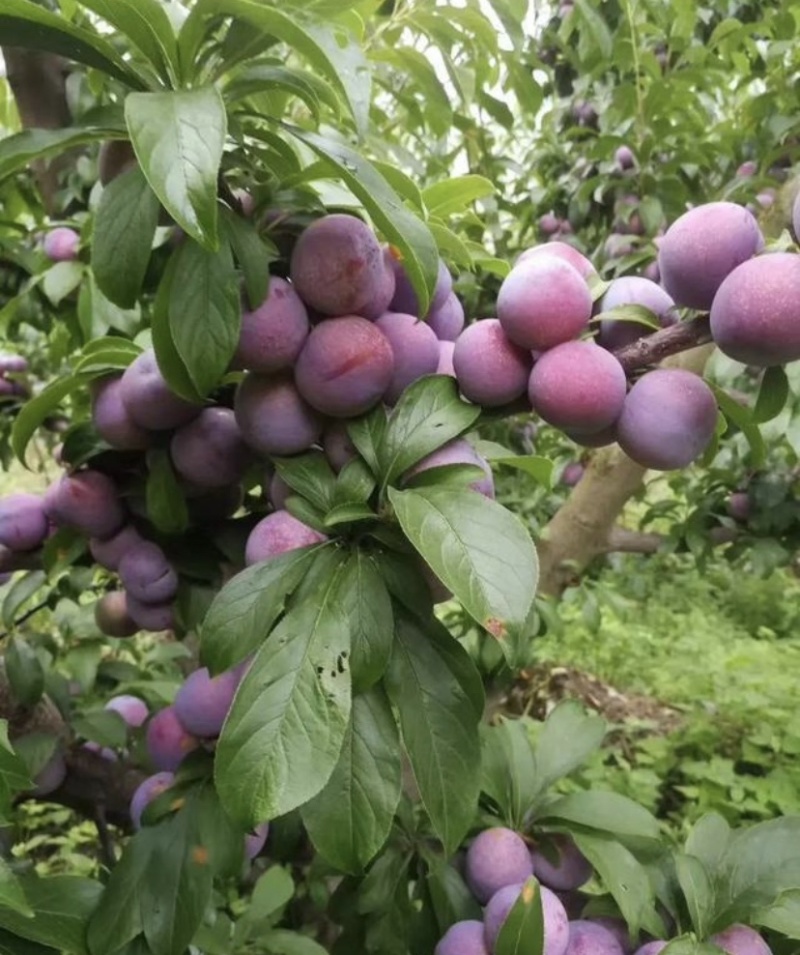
[106,843]
[661,344]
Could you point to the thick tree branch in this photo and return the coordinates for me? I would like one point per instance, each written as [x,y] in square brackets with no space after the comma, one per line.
[662,344]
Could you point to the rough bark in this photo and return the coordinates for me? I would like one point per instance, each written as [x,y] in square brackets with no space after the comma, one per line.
[581,529]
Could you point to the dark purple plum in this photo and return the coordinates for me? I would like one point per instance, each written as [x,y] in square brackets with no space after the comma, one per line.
[152,617]
[738,506]
[146,792]
[556,924]
[463,938]
[490,369]
[109,552]
[86,501]
[339,449]
[755,316]
[415,348]
[255,841]
[571,870]
[600,439]
[345,367]
[279,491]
[668,419]
[561,250]
[112,617]
[740,939]
[168,743]
[701,249]
[276,534]
[447,322]
[337,265]
[633,290]
[23,522]
[147,575]
[133,710]
[543,302]
[273,334]
[111,419]
[210,450]
[578,386]
[149,400]
[459,451]
[61,244]
[589,938]
[496,858]
[273,417]
[445,366]
[203,701]
[405,298]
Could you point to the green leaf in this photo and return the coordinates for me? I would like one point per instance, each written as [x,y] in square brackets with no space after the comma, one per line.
[456,194]
[170,363]
[20,150]
[12,894]
[429,414]
[772,395]
[708,840]
[14,776]
[97,314]
[481,552]
[440,730]
[401,227]
[204,313]
[25,24]
[102,726]
[597,27]
[246,608]
[252,253]
[311,476]
[178,138]
[106,355]
[348,514]
[146,26]
[272,891]
[782,916]
[698,891]
[368,609]
[260,78]
[607,811]
[61,280]
[451,899]
[541,469]
[283,735]
[350,819]
[745,422]
[522,933]
[20,593]
[25,672]
[509,769]
[283,942]
[62,905]
[367,434]
[166,504]
[567,739]
[12,944]
[124,226]
[354,484]
[34,412]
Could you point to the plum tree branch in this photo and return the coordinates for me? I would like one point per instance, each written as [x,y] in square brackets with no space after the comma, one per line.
[666,342]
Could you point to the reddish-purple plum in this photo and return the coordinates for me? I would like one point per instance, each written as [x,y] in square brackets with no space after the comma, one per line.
[109,552]
[12,363]
[572,473]
[652,272]
[556,924]
[272,336]
[61,244]
[415,348]
[112,617]
[458,451]
[345,367]
[255,841]
[149,400]
[23,522]
[738,506]
[589,938]
[668,419]
[152,617]
[543,302]
[562,250]
[168,743]
[279,491]
[490,369]
[147,575]
[405,298]
[740,939]
[111,418]
[651,948]
[146,792]
[381,300]
[633,290]
[86,501]
[133,710]
[278,533]
[337,265]
[447,321]
[445,366]
[463,938]
[570,871]
[210,450]
[747,169]
[755,316]
[701,249]
[618,929]
[578,386]
[339,448]
[273,417]
[50,776]
[624,158]
[496,858]
[203,701]
[549,223]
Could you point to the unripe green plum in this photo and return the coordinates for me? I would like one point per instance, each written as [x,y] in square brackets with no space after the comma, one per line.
[146,792]
[701,249]
[86,501]
[668,419]
[337,265]
[415,348]
[278,533]
[210,451]
[168,743]
[556,924]
[149,400]
[273,417]
[447,321]
[578,386]
[345,367]
[23,522]
[61,244]
[496,858]
[111,419]
[463,938]
[755,315]
[272,336]
[561,250]
[543,302]
[112,617]
[147,575]
[490,369]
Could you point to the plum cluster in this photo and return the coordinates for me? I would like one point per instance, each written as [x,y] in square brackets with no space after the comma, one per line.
[498,863]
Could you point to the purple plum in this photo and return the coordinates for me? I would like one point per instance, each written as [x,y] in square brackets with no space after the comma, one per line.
[458,451]
[61,244]
[273,417]
[339,449]
[589,938]
[146,792]
[447,321]
[273,334]
[463,938]
[152,617]
[556,924]
[23,522]
[50,776]
[490,369]
[278,533]
[496,858]
[168,743]
[405,298]
[384,293]
[147,575]
[633,290]
[279,491]
[133,710]
[740,939]
[570,871]
[651,948]
[148,398]
[86,501]
[562,250]
[624,157]
[112,617]
[572,473]
[111,418]
[738,506]
[415,348]
[255,841]
[446,352]
[203,701]
[109,552]
[210,450]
